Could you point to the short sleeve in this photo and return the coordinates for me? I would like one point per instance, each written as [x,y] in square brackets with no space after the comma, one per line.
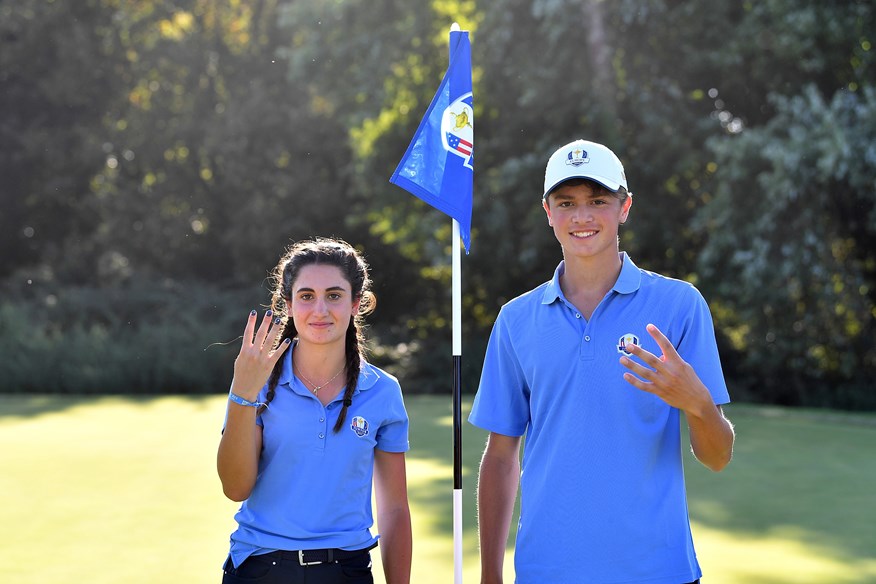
[698,347]
[501,404]
[392,436]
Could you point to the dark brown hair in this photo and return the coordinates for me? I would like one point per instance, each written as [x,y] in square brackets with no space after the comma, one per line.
[330,252]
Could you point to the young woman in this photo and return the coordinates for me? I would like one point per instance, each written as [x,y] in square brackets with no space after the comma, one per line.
[310,424]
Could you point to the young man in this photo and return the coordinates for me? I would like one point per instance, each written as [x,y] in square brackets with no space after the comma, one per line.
[596,367]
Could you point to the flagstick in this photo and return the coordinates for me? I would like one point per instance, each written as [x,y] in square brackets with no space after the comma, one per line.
[456,276]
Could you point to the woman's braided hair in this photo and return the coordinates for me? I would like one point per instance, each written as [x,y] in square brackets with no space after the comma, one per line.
[329,252]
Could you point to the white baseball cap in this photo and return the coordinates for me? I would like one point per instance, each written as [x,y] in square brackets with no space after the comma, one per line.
[584,159]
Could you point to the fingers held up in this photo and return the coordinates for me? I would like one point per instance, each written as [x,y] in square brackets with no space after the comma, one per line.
[668,376]
[257,355]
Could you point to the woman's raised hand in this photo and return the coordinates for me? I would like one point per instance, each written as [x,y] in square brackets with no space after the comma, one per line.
[257,355]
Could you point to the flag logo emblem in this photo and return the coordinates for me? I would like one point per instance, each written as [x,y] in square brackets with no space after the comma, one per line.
[359,425]
[577,157]
[627,339]
[457,129]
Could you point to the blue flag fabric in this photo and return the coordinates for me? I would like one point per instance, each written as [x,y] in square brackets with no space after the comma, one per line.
[438,166]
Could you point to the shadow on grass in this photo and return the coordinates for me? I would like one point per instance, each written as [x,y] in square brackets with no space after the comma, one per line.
[794,474]
[797,476]
[432,442]
[18,406]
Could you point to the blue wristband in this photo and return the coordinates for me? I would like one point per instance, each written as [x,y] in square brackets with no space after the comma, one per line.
[245,402]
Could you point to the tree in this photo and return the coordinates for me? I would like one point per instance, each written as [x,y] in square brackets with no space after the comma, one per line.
[217,158]
[792,228]
[56,74]
[790,213]
[146,140]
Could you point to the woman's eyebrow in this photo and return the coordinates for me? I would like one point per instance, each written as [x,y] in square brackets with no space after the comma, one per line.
[329,289]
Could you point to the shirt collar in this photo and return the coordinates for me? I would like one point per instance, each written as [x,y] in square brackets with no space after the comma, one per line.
[630,276]
[627,282]
[552,291]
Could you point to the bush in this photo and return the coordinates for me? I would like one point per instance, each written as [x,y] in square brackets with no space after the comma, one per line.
[141,337]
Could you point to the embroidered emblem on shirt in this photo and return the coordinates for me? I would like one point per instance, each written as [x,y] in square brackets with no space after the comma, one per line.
[627,339]
[359,425]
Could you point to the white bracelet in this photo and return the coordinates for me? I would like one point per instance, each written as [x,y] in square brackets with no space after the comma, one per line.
[245,402]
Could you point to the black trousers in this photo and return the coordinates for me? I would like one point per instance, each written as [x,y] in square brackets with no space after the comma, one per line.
[275,568]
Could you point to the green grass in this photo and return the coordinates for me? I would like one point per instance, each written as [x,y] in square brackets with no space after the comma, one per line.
[113,490]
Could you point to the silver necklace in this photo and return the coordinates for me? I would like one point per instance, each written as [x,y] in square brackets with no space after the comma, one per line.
[316,387]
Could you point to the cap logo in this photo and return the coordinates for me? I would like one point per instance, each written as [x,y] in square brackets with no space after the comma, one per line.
[627,339]
[577,157]
[359,425]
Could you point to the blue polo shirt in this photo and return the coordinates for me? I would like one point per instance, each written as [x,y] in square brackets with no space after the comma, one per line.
[602,483]
[313,489]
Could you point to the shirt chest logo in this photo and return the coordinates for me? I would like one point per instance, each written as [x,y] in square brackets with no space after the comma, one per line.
[627,339]
[359,425]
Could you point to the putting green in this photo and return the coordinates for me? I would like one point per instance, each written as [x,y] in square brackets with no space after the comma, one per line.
[121,489]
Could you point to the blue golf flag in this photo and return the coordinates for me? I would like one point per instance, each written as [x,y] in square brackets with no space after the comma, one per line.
[438,166]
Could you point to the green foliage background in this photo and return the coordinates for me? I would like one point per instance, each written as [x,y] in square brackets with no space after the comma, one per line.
[157,156]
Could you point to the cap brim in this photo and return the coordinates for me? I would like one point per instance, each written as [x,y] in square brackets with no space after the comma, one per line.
[607,183]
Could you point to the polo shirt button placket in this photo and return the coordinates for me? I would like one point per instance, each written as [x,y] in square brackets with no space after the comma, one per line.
[588,352]
[322,431]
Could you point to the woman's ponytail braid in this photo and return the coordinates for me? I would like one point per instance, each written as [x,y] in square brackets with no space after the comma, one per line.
[354,363]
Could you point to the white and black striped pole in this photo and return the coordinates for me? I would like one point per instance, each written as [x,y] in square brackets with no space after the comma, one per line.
[457,404]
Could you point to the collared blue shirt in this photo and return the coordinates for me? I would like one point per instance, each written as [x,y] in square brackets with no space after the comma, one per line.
[602,483]
[313,488]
